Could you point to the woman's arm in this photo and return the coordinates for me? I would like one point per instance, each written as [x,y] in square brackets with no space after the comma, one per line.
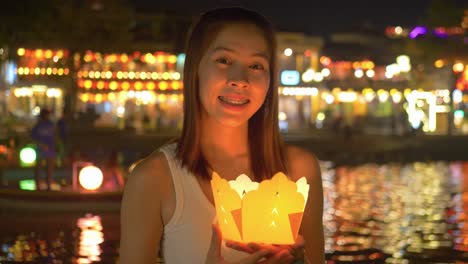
[303,163]
[141,221]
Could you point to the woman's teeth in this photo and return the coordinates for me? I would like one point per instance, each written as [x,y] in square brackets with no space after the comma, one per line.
[233,101]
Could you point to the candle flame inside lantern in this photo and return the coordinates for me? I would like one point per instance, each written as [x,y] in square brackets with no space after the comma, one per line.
[266,212]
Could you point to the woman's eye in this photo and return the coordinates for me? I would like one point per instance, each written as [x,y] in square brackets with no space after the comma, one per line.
[222,60]
[257,67]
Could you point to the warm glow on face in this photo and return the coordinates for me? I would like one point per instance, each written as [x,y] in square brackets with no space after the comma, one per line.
[266,212]
[90,177]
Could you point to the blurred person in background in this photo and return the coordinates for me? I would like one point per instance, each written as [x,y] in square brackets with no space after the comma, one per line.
[230,127]
[63,132]
[44,134]
[113,173]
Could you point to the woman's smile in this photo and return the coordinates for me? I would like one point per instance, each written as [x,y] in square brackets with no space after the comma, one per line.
[234,102]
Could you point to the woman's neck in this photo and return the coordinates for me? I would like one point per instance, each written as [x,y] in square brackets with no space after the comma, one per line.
[223,142]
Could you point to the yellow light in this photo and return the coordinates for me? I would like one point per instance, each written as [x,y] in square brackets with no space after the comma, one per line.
[60,71]
[59,53]
[120,75]
[84,97]
[458,67]
[160,58]
[124,57]
[172,59]
[48,54]
[174,97]
[166,75]
[111,96]
[162,98]
[88,84]
[150,85]
[439,63]
[125,85]
[21,52]
[149,58]
[98,98]
[163,85]
[20,71]
[138,85]
[87,57]
[266,212]
[90,178]
[356,65]
[175,85]
[100,85]
[113,85]
[38,53]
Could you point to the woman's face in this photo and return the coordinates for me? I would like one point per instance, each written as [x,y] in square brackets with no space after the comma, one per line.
[234,75]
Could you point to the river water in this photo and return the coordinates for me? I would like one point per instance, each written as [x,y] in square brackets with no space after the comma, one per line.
[373,213]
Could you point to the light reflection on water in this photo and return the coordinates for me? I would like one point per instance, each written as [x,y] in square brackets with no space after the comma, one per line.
[59,238]
[91,237]
[391,213]
[411,213]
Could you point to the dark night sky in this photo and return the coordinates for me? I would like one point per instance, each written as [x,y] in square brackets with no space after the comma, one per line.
[314,17]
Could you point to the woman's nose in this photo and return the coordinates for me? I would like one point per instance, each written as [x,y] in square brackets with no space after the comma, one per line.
[238,77]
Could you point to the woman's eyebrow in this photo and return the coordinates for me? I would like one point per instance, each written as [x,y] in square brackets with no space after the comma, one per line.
[262,55]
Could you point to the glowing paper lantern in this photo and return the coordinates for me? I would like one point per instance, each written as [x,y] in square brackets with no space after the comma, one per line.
[28,155]
[266,212]
[90,177]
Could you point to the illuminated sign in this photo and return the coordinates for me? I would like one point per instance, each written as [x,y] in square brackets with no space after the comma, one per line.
[10,76]
[290,77]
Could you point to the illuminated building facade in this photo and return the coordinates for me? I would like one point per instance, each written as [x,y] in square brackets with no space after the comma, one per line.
[37,78]
[136,90]
[363,80]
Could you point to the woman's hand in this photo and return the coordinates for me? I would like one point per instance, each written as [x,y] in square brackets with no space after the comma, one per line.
[288,253]
[270,254]
[214,252]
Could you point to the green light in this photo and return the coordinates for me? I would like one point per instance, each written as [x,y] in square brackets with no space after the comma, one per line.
[28,185]
[459,114]
[28,155]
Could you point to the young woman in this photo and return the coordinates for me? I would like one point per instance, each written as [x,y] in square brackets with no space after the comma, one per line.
[230,127]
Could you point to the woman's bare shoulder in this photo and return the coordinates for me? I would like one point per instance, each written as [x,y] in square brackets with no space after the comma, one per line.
[141,209]
[150,173]
[302,163]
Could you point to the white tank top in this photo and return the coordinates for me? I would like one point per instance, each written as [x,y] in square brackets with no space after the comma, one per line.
[187,235]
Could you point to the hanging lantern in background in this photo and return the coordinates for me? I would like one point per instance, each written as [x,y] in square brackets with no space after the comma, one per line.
[266,212]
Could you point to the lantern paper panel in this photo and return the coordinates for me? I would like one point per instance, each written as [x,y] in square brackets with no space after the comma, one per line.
[266,212]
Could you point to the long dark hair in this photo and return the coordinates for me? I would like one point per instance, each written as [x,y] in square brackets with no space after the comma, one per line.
[265,144]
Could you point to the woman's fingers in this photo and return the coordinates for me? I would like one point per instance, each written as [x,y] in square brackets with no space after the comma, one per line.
[254,257]
[214,252]
[281,257]
[241,246]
